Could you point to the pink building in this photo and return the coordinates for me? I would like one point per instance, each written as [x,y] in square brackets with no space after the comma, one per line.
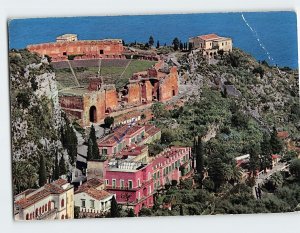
[131,182]
[171,164]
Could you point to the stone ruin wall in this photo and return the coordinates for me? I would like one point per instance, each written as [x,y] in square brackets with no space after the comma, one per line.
[134,93]
[59,51]
[169,85]
[111,99]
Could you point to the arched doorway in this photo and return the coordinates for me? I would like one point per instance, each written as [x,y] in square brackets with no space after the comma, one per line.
[93,114]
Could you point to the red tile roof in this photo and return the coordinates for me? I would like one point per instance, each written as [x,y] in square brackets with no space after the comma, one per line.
[92,183]
[95,193]
[48,189]
[209,37]
[119,134]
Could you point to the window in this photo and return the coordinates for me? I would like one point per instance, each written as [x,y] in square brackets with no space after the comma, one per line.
[62,203]
[114,183]
[49,206]
[83,203]
[139,195]
[121,184]
[65,53]
[45,207]
[149,189]
[104,151]
[139,183]
[106,182]
[130,184]
[158,174]
[101,51]
[92,204]
[27,216]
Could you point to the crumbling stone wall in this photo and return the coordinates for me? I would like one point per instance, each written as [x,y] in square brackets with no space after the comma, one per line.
[89,49]
[111,99]
[134,93]
[168,87]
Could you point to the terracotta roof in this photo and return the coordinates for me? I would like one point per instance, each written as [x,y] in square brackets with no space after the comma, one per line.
[209,37]
[119,134]
[41,193]
[92,183]
[95,193]
[60,182]
[25,202]
[283,134]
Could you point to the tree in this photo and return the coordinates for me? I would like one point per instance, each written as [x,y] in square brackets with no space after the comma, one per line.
[254,161]
[181,46]
[266,153]
[131,213]
[275,142]
[295,168]
[56,169]
[199,158]
[42,172]
[151,41]
[108,121]
[157,44]
[114,209]
[275,181]
[62,166]
[176,43]
[93,150]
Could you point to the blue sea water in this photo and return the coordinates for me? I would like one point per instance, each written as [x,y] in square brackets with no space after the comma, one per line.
[270,36]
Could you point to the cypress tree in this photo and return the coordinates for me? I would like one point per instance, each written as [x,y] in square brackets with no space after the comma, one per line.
[199,157]
[56,169]
[131,213]
[42,172]
[266,152]
[275,142]
[62,166]
[114,210]
[157,44]
[151,41]
[93,150]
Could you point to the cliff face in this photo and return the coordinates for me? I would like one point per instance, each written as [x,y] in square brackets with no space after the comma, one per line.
[36,118]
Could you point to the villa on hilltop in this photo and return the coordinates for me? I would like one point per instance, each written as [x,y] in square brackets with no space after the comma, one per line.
[211,44]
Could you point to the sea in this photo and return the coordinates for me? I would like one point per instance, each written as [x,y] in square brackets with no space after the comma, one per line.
[269,36]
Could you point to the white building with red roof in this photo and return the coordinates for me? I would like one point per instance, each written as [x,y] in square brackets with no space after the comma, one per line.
[52,201]
[92,200]
[211,44]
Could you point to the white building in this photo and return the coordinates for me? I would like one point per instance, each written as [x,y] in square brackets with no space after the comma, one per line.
[92,199]
[52,201]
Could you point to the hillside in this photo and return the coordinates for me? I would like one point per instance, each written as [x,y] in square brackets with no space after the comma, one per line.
[37,123]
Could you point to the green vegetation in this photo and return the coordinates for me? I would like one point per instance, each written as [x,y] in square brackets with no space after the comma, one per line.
[108,121]
[93,150]
[110,74]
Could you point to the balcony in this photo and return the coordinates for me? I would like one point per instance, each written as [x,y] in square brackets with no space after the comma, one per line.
[48,215]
